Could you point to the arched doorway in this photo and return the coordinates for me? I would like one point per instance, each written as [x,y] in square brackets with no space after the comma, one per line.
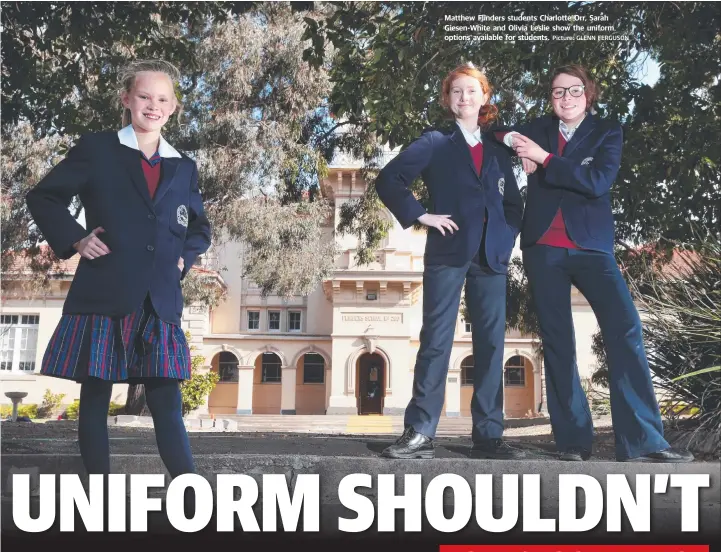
[223,398]
[518,387]
[370,384]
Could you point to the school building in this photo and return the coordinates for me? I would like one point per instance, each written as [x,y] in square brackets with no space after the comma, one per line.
[347,348]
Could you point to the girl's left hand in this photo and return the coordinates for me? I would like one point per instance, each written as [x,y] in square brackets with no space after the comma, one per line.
[181,264]
[527,148]
[529,167]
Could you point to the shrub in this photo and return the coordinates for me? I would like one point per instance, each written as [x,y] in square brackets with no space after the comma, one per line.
[52,404]
[116,409]
[199,386]
[682,331]
[24,410]
[71,412]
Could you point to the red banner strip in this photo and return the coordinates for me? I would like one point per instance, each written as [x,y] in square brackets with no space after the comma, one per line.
[573,548]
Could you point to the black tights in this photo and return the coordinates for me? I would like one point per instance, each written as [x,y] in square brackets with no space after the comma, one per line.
[164,402]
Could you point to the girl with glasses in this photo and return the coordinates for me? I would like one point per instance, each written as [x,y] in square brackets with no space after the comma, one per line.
[567,238]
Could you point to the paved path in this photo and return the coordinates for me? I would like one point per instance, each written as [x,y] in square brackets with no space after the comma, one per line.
[360,425]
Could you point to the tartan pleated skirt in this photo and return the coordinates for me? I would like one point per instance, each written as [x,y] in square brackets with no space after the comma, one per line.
[120,349]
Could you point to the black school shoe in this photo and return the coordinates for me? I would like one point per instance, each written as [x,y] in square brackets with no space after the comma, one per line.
[666,456]
[496,449]
[575,454]
[410,445]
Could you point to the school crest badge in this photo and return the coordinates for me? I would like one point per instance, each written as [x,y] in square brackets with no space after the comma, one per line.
[587,161]
[501,185]
[183,216]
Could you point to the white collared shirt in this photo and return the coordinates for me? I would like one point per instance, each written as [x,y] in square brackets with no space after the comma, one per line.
[128,138]
[471,138]
[566,132]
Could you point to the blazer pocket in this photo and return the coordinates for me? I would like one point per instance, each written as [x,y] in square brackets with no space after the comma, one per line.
[594,215]
[98,262]
[177,232]
[435,241]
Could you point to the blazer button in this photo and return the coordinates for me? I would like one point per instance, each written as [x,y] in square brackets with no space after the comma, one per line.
[151,217]
[150,248]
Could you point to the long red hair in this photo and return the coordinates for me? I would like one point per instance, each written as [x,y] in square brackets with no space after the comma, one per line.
[488,113]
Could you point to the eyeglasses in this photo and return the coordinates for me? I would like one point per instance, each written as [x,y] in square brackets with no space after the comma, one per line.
[575,91]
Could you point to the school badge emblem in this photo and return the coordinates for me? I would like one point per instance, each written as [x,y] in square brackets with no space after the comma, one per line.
[501,185]
[587,161]
[183,216]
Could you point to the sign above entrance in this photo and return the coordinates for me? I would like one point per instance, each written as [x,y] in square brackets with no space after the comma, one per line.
[389,318]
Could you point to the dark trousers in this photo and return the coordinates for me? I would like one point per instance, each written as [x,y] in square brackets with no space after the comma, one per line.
[486,302]
[164,401]
[636,418]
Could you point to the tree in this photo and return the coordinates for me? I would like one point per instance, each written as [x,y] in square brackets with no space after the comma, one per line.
[261,131]
[669,177]
[255,120]
[25,159]
[60,60]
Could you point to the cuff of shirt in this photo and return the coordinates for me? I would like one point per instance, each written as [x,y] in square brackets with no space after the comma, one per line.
[508,138]
[545,163]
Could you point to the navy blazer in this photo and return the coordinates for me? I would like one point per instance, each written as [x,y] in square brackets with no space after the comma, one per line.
[146,237]
[444,161]
[579,181]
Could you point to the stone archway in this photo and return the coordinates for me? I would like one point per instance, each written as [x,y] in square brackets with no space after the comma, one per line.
[519,386]
[371,382]
[351,378]
[223,398]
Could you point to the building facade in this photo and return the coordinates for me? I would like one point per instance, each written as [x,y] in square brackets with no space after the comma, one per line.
[347,348]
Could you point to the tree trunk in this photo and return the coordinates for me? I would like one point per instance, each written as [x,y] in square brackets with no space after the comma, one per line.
[135,403]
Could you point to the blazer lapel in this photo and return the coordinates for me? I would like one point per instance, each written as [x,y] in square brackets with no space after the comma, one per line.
[552,132]
[170,167]
[584,130]
[489,156]
[462,146]
[131,160]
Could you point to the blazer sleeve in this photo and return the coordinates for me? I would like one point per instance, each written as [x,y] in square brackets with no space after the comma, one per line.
[198,236]
[591,180]
[49,199]
[512,199]
[499,134]
[392,183]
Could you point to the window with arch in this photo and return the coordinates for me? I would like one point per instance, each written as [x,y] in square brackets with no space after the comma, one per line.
[514,373]
[227,368]
[313,368]
[271,368]
[467,366]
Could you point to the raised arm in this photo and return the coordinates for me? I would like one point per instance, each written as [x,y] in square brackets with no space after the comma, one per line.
[393,182]
[49,200]
[592,178]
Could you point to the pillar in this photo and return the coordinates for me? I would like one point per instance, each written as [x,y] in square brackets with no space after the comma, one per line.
[245,390]
[453,394]
[287,390]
